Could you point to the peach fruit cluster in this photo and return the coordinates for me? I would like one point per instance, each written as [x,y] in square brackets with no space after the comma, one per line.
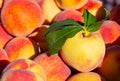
[24,51]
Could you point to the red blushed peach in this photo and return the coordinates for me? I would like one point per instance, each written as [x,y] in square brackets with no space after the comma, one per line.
[50,10]
[4,61]
[69,14]
[87,76]
[54,67]
[38,36]
[3,54]
[20,75]
[21,47]
[115,14]
[21,17]
[4,37]
[28,65]
[38,1]
[110,31]
[95,7]
[71,4]
[110,67]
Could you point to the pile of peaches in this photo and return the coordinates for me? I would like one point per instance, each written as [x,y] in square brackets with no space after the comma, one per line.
[25,53]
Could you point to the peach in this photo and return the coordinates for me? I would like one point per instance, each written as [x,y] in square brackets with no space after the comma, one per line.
[21,47]
[54,67]
[110,67]
[110,31]
[83,53]
[4,61]
[95,7]
[18,19]
[38,36]
[71,14]
[28,65]
[38,1]
[87,76]
[1,3]
[115,14]
[50,10]
[71,4]
[4,37]
[3,54]
[20,75]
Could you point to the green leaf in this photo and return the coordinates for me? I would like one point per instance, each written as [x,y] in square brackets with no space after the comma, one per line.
[57,38]
[107,13]
[88,18]
[96,26]
[61,24]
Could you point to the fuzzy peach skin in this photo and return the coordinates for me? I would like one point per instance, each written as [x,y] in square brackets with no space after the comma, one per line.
[71,4]
[1,3]
[21,17]
[110,31]
[28,65]
[38,1]
[21,47]
[3,54]
[4,37]
[83,53]
[20,75]
[111,64]
[95,7]
[4,61]
[114,16]
[69,14]
[54,67]
[38,36]
[50,10]
[87,76]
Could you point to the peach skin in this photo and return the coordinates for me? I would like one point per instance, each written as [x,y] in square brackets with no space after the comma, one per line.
[21,47]
[69,14]
[110,31]
[50,10]
[1,3]
[87,76]
[18,19]
[89,50]
[4,37]
[20,75]
[28,65]
[71,4]
[54,67]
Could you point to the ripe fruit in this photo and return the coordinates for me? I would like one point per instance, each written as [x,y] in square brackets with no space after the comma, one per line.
[69,13]
[20,75]
[83,53]
[110,31]
[87,76]
[25,64]
[21,17]
[80,46]
[71,4]
[21,47]
[55,68]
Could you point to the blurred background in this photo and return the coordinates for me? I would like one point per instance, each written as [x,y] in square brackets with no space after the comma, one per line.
[109,4]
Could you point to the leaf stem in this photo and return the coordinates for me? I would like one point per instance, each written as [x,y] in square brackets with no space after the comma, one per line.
[85,32]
